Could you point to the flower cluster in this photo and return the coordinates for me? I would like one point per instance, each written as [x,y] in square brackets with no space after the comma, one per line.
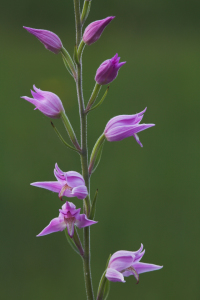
[71,183]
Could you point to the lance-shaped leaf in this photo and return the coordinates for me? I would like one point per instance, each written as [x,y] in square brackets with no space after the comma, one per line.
[96,154]
[93,208]
[85,10]
[68,62]
[88,109]
[71,242]
[62,140]
[76,55]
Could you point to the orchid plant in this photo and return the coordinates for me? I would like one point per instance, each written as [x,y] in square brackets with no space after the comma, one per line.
[72,184]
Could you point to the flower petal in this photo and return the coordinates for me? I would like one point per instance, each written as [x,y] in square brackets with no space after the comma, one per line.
[113,275]
[55,225]
[74,179]
[83,221]
[53,186]
[143,267]
[125,120]
[80,192]
[121,261]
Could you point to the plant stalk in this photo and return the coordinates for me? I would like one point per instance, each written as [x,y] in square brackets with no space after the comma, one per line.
[84,156]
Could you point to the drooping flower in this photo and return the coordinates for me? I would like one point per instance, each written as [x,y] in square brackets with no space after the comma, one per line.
[69,184]
[123,126]
[68,217]
[125,263]
[108,70]
[94,30]
[50,40]
[48,103]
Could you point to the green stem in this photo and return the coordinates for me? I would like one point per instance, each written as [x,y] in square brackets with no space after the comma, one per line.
[84,157]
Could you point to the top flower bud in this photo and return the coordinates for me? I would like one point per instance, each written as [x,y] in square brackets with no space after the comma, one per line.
[93,31]
[50,40]
[108,70]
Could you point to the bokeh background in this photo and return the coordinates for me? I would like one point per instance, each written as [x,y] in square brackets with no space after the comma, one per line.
[149,194]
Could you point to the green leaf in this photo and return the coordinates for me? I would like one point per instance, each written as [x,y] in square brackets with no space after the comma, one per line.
[93,208]
[108,261]
[106,290]
[100,102]
[98,157]
[71,242]
[66,66]
[76,55]
[61,138]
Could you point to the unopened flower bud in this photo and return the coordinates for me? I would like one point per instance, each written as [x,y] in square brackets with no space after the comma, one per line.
[108,70]
[94,30]
[50,40]
[48,103]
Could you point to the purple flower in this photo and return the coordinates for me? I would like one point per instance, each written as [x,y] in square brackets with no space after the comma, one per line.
[50,40]
[125,263]
[93,31]
[69,184]
[123,126]
[108,70]
[48,103]
[68,217]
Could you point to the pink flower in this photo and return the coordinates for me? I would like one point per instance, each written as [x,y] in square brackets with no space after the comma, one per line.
[123,126]
[125,263]
[50,40]
[108,70]
[48,103]
[94,30]
[69,184]
[68,217]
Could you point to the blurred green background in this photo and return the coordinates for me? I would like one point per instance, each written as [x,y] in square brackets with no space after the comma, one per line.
[147,195]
